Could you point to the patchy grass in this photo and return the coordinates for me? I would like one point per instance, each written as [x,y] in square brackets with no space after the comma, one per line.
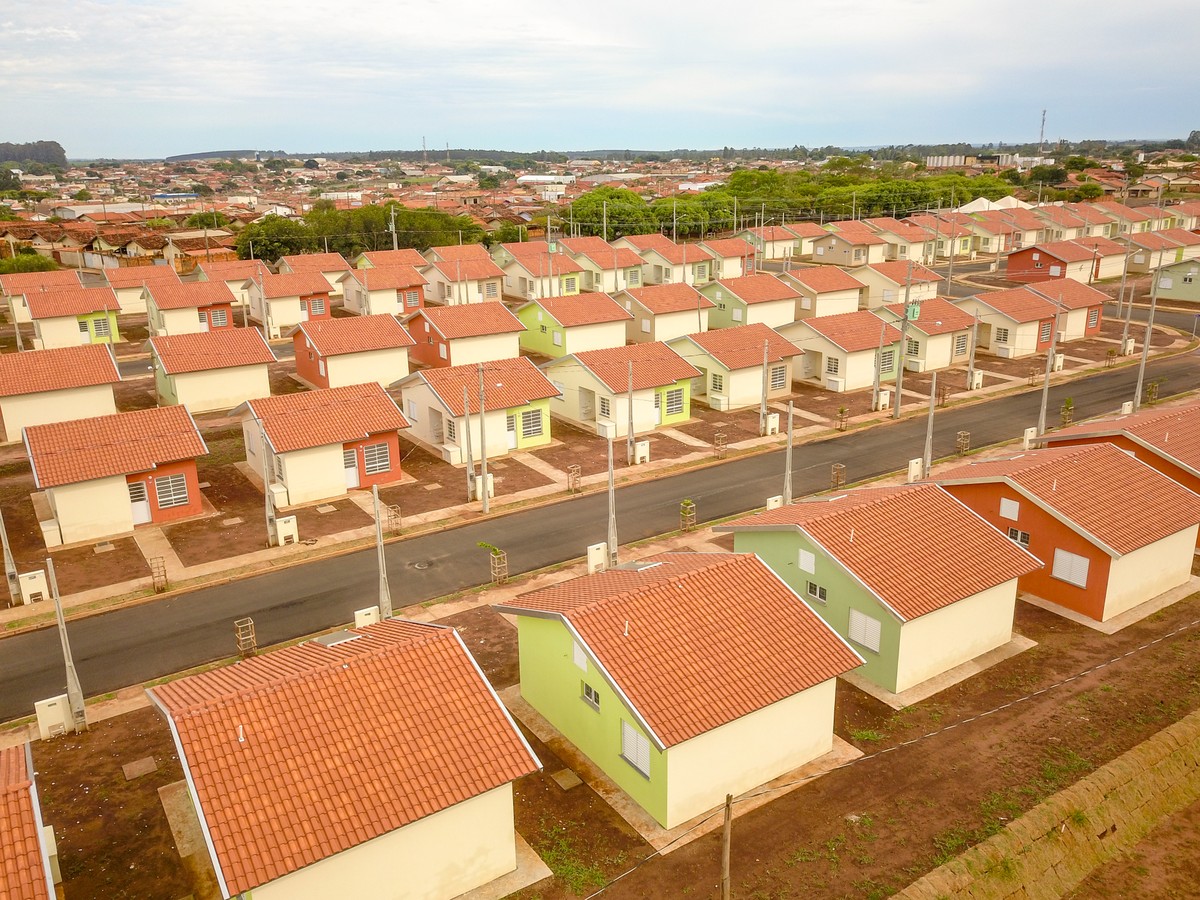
[566,860]
[867,735]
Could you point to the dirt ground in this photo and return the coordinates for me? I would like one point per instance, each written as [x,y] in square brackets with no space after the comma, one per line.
[815,399]
[282,382]
[138,393]
[736,425]
[574,446]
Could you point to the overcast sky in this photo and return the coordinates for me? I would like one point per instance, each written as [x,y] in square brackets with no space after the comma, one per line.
[134,78]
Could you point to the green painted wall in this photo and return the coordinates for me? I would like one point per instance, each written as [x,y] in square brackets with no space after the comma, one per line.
[686,414]
[90,318]
[543,407]
[781,551]
[1181,289]
[553,685]
[165,386]
[534,339]
[718,317]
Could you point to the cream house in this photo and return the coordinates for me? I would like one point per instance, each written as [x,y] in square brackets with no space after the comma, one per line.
[534,275]
[667,262]
[384,290]
[266,746]
[938,338]
[67,317]
[905,240]
[131,283]
[378,259]
[823,290]
[339,352]
[736,365]
[606,268]
[281,302]
[14,288]
[42,386]
[892,282]
[211,370]
[330,266]
[1012,323]
[1081,305]
[732,258]
[751,300]
[662,312]
[237,275]
[460,281]
[850,248]
[842,352]
[188,307]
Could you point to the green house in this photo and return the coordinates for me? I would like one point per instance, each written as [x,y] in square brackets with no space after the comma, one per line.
[1180,281]
[913,579]
[66,318]
[683,677]
[556,326]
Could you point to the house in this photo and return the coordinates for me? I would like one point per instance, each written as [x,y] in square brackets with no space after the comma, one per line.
[320,444]
[731,365]
[988,236]
[824,291]
[949,238]
[751,299]
[594,388]
[556,326]
[533,275]
[1157,248]
[662,312]
[131,284]
[70,316]
[905,240]
[1096,223]
[606,268]
[14,288]
[1028,228]
[775,242]
[952,599]
[614,661]
[461,335]
[668,262]
[380,259]
[281,302]
[188,307]
[1012,323]
[211,370]
[732,258]
[1180,281]
[842,352]
[331,267]
[856,247]
[1082,307]
[237,275]
[939,336]
[516,404]
[26,870]
[145,474]
[267,745]
[1125,219]
[1062,224]
[338,352]
[461,281]
[42,386]
[893,282]
[1111,531]
[383,290]
[457,253]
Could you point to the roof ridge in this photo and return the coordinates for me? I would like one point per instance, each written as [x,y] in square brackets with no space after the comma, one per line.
[601,602]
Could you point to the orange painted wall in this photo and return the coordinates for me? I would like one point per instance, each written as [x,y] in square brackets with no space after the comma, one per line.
[308,362]
[392,439]
[194,505]
[427,349]
[208,311]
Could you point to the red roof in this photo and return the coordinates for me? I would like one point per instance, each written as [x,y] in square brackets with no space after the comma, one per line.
[1098,489]
[402,257]
[938,226]
[302,753]
[602,254]
[58,369]
[858,528]
[118,444]
[327,416]
[857,237]
[1060,216]
[696,640]
[852,331]
[752,289]
[669,298]
[1019,304]
[468,269]
[385,278]
[299,284]
[897,272]
[774,233]
[583,309]
[654,365]
[1117,210]
[461,252]
[234,270]
[675,254]
[729,248]
[469,320]
[70,302]
[206,350]
[316,262]
[25,282]
[1173,433]
[1070,293]
[937,316]
[22,868]
[825,279]
[805,229]
[507,383]
[742,347]
[906,231]
[355,334]
[136,276]
[189,294]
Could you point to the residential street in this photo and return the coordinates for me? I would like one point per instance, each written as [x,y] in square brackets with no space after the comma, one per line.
[165,636]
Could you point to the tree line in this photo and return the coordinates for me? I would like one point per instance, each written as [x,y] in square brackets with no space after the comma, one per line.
[49,152]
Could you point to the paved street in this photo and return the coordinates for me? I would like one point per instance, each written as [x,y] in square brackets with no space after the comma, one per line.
[160,637]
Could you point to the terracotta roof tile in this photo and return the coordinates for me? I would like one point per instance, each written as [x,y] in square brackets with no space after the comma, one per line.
[654,365]
[805,229]
[383,278]
[857,237]
[136,276]
[234,270]
[401,257]
[1174,432]
[697,640]
[22,869]
[1060,216]
[328,416]
[729,248]
[70,302]
[897,272]
[935,225]
[1120,211]
[1070,293]
[669,298]
[189,294]
[603,254]
[906,231]
[752,289]
[741,347]
[308,751]
[583,309]
[355,334]
[507,383]
[316,262]
[468,269]
[462,252]
[859,528]
[207,350]
[1106,492]
[299,284]
[59,369]
[1019,304]
[470,319]
[936,316]
[25,282]
[675,254]
[774,233]
[852,331]
[823,279]
[1086,211]
[547,264]
[118,444]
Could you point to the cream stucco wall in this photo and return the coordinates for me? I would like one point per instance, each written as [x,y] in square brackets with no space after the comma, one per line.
[765,744]
[773,313]
[382,366]
[315,473]
[54,406]
[220,389]
[829,303]
[485,348]
[1149,571]
[601,336]
[131,299]
[667,326]
[574,381]
[423,409]
[941,640]
[91,510]
[59,332]
[435,858]
[175,321]
[937,351]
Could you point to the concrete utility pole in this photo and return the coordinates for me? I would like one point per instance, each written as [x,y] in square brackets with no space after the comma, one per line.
[878,367]
[467,442]
[1137,397]
[1046,382]
[604,214]
[971,356]
[1121,294]
[928,458]
[10,567]
[385,593]
[612,510]
[74,690]
[787,460]
[268,506]
[483,482]
[392,229]
[762,407]
[903,344]
[629,429]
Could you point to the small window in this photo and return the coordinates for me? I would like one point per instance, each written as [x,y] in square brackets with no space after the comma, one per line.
[1009,509]
[544,329]
[912,348]
[635,748]
[316,307]
[277,466]
[807,562]
[442,350]
[960,344]
[816,591]
[736,314]
[887,362]
[137,492]
[1001,335]
[489,289]
[452,431]
[531,423]
[1071,568]
[605,407]
[778,378]
[832,365]
[864,630]
[579,656]
[1093,317]
[411,410]
[674,401]
[218,317]
[645,326]
[1045,332]
[412,298]
[101,327]
[634,276]
[321,366]
[83,326]
[203,316]
[171,490]
[569,284]
[591,696]
[1020,537]
[718,383]
[377,458]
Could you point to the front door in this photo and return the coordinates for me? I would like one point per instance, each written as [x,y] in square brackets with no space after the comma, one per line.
[437,428]
[350,463]
[303,310]
[139,500]
[587,405]
[510,428]
[85,336]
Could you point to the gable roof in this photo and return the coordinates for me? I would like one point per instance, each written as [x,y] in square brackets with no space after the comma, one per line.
[856,237]
[326,416]
[301,753]
[897,272]
[906,231]
[854,331]
[582,309]
[741,347]
[659,299]
[602,254]
[1018,304]
[1173,433]
[1066,251]
[675,254]
[858,529]
[297,284]
[385,278]
[727,248]
[26,282]
[58,369]
[316,262]
[507,383]
[546,264]
[70,302]
[234,269]
[694,641]
[469,319]
[405,256]
[805,229]
[117,444]
[189,294]
[206,350]
[1091,487]
[461,252]
[824,279]
[468,269]
[937,315]
[751,289]
[354,334]
[654,365]
[23,871]
[1069,293]
[136,276]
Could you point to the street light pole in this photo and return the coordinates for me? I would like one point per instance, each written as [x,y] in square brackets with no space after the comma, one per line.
[1137,397]
[1046,381]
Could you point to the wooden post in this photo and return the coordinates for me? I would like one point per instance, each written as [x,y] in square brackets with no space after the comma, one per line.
[726,835]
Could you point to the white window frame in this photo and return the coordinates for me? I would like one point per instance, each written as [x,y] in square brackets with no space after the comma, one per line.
[635,748]
[412,298]
[579,656]
[532,423]
[489,289]
[718,383]
[1093,317]
[1017,536]
[1070,567]
[451,431]
[832,365]
[556,338]
[590,696]
[960,344]
[1045,330]
[807,561]
[605,407]
[316,306]
[171,491]
[865,630]
[912,347]
[778,378]
[570,283]
[1002,335]
[887,362]
[816,591]
[101,327]
[218,318]
[377,458]
[1010,509]
[674,402]
[137,492]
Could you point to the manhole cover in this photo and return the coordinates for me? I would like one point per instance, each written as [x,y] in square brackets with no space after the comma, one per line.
[420,565]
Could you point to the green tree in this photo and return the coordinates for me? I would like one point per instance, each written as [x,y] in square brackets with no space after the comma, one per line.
[682,216]
[508,233]
[1077,163]
[27,262]
[488,181]
[206,219]
[1047,175]
[275,165]
[82,194]
[202,189]
[8,180]
[624,211]
[274,237]
[6,214]
[1088,191]
[311,164]
[160,223]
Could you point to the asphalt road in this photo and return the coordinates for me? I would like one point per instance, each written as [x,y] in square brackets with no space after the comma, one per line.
[140,643]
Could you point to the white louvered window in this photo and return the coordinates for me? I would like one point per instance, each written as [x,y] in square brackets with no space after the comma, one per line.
[887,361]
[411,410]
[591,696]
[556,337]
[635,748]
[412,298]
[1009,509]
[277,465]
[1001,335]
[736,314]
[960,344]
[1093,318]
[1045,333]
[452,431]
[807,562]
[137,492]
[377,458]
[83,326]
[832,365]
[101,327]
[490,289]
[718,383]
[778,378]
[674,401]
[171,490]
[605,407]
[913,348]
[531,423]
[570,284]
[316,307]
[579,656]
[864,630]
[634,277]
[1071,568]
[218,317]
